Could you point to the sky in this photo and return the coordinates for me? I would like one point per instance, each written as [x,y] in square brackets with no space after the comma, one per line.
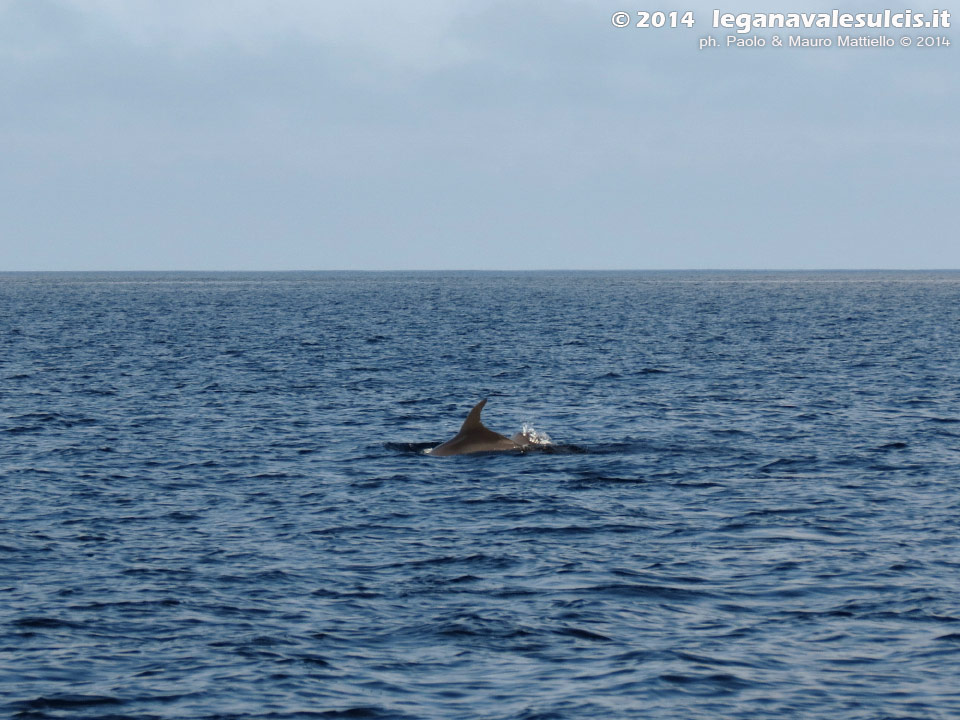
[455,134]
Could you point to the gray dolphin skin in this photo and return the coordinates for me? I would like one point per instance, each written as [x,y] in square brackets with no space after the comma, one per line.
[474,437]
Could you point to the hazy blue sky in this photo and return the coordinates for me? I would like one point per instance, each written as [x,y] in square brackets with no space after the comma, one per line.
[296,134]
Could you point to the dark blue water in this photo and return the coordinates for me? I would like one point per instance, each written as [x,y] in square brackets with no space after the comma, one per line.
[216,505]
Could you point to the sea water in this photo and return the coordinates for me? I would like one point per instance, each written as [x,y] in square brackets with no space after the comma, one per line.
[216,502]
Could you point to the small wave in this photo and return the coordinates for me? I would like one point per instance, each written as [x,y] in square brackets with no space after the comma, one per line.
[602,478]
[649,591]
[354,713]
[44,622]
[339,594]
[65,702]
[409,448]
[558,449]
[726,681]
[582,634]
[799,463]
[309,659]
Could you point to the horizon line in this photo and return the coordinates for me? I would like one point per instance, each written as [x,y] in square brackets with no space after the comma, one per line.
[488,270]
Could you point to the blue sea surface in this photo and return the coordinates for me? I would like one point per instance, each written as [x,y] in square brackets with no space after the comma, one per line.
[216,502]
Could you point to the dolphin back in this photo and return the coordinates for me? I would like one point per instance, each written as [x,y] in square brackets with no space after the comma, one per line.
[474,437]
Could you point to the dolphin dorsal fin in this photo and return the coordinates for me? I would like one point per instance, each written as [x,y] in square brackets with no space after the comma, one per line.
[473,419]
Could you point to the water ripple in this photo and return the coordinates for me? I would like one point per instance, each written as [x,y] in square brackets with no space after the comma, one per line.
[217,505]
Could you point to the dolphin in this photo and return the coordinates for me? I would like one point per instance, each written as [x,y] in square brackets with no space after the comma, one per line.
[474,437]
